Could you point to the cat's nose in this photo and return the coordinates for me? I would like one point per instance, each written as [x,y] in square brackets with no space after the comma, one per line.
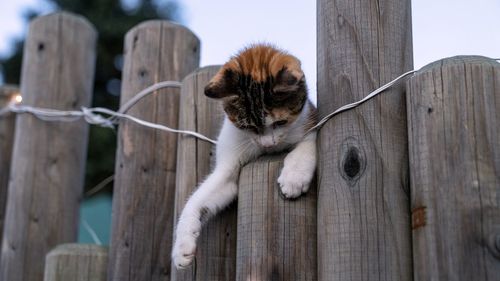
[267,141]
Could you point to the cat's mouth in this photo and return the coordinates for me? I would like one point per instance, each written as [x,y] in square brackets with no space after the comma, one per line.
[271,147]
[268,146]
[265,143]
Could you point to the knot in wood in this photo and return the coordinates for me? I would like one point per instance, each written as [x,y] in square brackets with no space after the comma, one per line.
[353,161]
[165,271]
[340,20]
[143,72]
[41,46]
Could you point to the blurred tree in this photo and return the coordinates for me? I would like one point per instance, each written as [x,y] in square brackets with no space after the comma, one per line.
[112,19]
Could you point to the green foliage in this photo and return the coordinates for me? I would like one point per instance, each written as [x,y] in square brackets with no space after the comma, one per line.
[112,20]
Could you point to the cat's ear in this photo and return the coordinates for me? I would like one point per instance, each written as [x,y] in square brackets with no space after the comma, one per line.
[288,80]
[222,85]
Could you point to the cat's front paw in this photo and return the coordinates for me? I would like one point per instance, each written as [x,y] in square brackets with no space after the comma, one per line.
[293,183]
[184,251]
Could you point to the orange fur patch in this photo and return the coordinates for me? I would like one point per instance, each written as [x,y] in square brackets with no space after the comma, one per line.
[283,114]
[260,62]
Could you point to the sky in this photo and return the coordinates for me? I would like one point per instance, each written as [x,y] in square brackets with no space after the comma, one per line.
[441,28]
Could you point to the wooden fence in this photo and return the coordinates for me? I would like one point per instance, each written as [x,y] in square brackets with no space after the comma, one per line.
[363,200]
[407,187]
[7,129]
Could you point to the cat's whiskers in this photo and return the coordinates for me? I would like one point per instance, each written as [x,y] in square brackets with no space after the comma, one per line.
[244,149]
[243,146]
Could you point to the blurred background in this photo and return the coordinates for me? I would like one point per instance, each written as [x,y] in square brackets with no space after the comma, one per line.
[440,29]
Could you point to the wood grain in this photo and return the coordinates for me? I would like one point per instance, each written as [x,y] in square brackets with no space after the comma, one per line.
[363,205]
[7,129]
[216,252]
[454,136]
[143,203]
[276,236]
[76,262]
[48,159]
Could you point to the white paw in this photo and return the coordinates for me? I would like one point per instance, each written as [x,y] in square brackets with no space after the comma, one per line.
[184,251]
[293,182]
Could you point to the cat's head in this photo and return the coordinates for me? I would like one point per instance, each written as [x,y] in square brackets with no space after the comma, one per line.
[263,90]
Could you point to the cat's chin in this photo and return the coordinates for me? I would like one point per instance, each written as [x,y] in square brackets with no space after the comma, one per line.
[274,149]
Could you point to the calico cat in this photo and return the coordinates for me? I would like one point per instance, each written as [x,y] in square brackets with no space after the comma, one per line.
[264,96]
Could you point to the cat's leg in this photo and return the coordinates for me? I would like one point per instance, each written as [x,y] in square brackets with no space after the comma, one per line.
[299,167]
[215,193]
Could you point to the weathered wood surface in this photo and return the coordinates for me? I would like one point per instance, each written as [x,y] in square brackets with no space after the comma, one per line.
[276,237]
[143,204]
[216,252]
[7,128]
[454,140]
[363,208]
[76,262]
[48,159]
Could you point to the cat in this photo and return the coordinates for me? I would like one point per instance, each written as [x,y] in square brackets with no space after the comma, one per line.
[264,96]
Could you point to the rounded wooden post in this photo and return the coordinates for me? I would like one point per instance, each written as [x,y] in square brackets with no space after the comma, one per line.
[276,236]
[7,129]
[48,159]
[363,207]
[76,262]
[216,252]
[143,203]
[454,140]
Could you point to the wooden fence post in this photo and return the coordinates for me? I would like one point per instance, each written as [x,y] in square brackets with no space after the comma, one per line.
[76,262]
[276,236]
[48,159]
[143,203]
[216,251]
[7,129]
[454,140]
[363,207]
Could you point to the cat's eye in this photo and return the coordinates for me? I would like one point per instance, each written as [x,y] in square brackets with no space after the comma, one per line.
[280,123]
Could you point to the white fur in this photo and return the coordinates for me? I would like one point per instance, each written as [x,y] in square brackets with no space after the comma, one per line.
[298,169]
[234,149]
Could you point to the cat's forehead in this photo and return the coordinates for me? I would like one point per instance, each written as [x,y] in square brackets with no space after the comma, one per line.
[262,62]
[257,68]
[276,114]
[260,115]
